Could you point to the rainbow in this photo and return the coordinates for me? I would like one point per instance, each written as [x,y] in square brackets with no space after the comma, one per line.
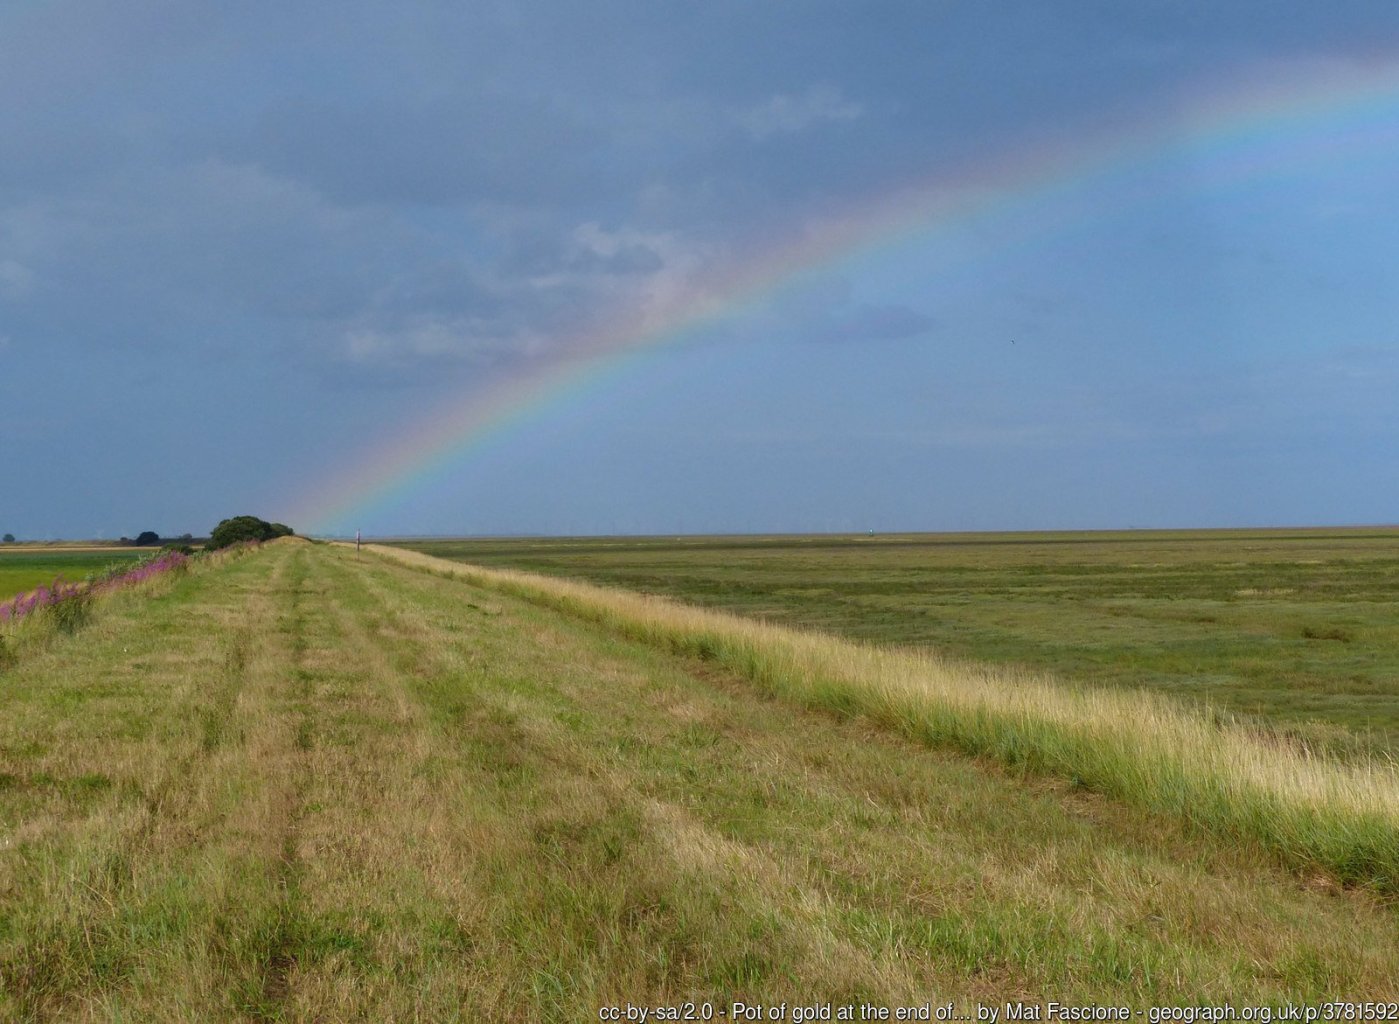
[1228,134]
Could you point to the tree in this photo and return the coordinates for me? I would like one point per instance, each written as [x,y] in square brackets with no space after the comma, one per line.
[147,538]
[241,528]
[9,538]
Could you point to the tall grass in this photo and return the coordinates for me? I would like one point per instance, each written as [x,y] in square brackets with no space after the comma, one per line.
[69,602]
[1312,812]
[31,619]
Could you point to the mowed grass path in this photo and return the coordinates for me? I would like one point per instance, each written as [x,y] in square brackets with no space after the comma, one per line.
[306,786]
[1297,628]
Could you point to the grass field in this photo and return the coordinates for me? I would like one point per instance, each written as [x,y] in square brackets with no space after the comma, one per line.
[304,785]
[23,569]
[1297,627]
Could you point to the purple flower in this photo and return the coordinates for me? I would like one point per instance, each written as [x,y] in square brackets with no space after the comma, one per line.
[46,596]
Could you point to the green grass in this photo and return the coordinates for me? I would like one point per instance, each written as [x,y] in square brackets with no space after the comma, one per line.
[300,785]
[22,570]
[1299,628]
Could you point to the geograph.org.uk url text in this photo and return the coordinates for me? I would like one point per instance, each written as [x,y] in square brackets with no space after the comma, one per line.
[1002,1013]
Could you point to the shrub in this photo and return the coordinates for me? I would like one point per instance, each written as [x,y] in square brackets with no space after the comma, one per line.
[245,528]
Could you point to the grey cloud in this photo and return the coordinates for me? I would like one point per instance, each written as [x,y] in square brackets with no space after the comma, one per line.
[786,114]
[629,259]
[549,251]
[430,340]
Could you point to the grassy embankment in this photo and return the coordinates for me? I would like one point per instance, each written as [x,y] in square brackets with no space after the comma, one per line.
[1296,628]
[305,786]
[1133,745]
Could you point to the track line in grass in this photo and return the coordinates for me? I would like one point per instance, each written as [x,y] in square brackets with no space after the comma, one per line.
[279,958]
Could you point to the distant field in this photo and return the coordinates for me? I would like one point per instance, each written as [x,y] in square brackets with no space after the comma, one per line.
[305,785]
[24,568]
[1298,627]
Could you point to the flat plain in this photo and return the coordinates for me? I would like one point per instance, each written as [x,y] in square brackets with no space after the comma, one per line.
[1297,629]
[300,784]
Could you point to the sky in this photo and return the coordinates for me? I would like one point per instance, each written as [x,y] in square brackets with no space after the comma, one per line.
[649,267]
